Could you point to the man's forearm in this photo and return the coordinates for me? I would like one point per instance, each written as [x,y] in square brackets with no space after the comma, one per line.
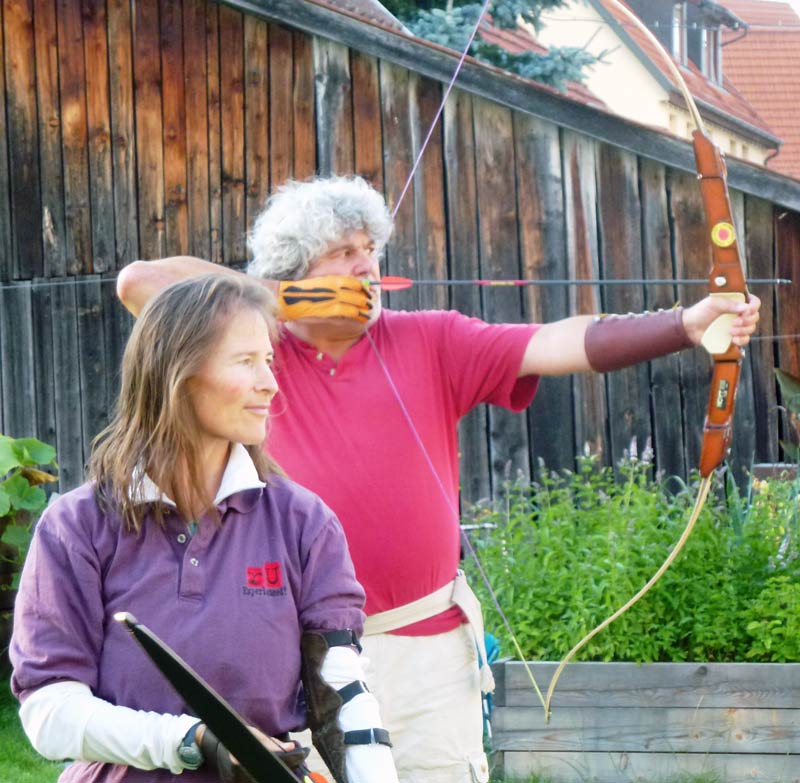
[140,281]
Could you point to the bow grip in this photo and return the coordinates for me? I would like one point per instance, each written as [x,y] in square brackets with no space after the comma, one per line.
[718,426]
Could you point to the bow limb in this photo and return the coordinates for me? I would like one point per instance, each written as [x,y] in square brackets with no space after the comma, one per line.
[727,279]
[228,726]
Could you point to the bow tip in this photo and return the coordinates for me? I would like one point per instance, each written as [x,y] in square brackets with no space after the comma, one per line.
[125,617]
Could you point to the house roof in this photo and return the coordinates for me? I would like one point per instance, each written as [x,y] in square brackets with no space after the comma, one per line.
[370,10]
[726,104]
[765,66]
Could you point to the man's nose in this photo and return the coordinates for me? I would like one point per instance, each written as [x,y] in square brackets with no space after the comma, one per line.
[363,264]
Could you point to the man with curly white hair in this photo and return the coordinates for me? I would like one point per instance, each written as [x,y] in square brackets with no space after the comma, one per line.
[367,417]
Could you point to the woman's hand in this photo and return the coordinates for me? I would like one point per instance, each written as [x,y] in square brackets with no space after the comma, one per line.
[228,768]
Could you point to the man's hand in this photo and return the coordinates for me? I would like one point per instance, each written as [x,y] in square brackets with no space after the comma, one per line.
[324,297]
[742,318]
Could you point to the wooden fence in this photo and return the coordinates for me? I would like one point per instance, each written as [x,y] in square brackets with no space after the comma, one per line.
[623,722]
[139,130]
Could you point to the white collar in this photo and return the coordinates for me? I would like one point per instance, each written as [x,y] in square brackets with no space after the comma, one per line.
[240,474]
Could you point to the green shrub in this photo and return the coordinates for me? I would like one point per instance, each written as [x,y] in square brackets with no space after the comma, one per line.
[22,500]
[567,551]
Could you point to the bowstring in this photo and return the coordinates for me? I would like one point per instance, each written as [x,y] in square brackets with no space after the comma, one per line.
[406,415]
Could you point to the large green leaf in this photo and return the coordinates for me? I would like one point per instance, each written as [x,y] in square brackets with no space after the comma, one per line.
[33,452]
[16,535]
[790,390]
[23,496]
[9,458]
[5,502]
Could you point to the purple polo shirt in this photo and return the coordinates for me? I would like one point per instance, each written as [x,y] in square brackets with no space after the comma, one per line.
[233,601]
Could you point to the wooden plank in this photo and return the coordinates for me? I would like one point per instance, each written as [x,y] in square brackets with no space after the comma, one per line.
[619,211]
[123,142]
[690,685]
[257,115]
[117,323]
[42,315]
[214,133]
[231,42]
[647,767]
[665,380]
[333,108]
[6,253]
[367,132]
[429,206]
[69,438]
[197,129]
[23,141]
[644,729]
[787,232]
[149,130]
[580,199]
[398,101]
[540,218]
[72,80]
[462,231]
[16,365]
[54,261]
[305,142]
[281,115]
[176,211]
[760,242]
[692,259]
[92,360]
[499,259]
[98,116]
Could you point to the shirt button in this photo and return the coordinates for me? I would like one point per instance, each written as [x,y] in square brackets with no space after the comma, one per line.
[194,561]
[181,538]
[332,371]
[319,356]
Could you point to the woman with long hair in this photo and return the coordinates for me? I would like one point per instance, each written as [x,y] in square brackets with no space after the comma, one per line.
[186,523]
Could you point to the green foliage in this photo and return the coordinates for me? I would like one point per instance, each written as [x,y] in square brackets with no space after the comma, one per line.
[570,549]
[452,26]
[21,497]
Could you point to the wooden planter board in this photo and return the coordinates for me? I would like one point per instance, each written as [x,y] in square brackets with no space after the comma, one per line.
[733,722]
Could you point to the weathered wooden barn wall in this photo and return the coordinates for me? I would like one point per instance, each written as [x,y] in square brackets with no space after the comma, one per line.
[158,127]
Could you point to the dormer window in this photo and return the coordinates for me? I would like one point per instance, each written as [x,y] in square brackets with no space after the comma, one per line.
[711,64]
[679,32]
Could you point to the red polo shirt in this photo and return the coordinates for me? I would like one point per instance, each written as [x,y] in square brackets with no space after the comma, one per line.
[338,429]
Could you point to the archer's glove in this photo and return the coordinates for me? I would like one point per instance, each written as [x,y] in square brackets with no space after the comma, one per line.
[324,297]
[230,771]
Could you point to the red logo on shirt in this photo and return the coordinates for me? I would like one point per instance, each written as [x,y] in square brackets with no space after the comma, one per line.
[268,576]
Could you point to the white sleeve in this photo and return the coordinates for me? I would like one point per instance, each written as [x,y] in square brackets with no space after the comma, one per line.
[363,763]
[64,720]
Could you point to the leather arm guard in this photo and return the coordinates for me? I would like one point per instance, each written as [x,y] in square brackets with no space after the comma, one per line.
[323,702]
[616,341]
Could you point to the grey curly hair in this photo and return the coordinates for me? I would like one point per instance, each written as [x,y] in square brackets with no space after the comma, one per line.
[302,219]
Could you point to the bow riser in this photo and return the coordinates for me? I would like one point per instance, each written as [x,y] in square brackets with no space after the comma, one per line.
[726,279]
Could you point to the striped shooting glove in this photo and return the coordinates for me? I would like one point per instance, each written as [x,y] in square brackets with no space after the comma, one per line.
[324,297]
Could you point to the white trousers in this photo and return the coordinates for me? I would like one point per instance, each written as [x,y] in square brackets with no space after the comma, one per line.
[429,694]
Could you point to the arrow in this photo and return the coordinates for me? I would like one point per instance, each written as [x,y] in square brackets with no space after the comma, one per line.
[393,283]
[228,726]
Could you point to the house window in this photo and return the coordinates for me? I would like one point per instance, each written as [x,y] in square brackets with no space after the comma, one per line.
[679,32]
[711,65]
